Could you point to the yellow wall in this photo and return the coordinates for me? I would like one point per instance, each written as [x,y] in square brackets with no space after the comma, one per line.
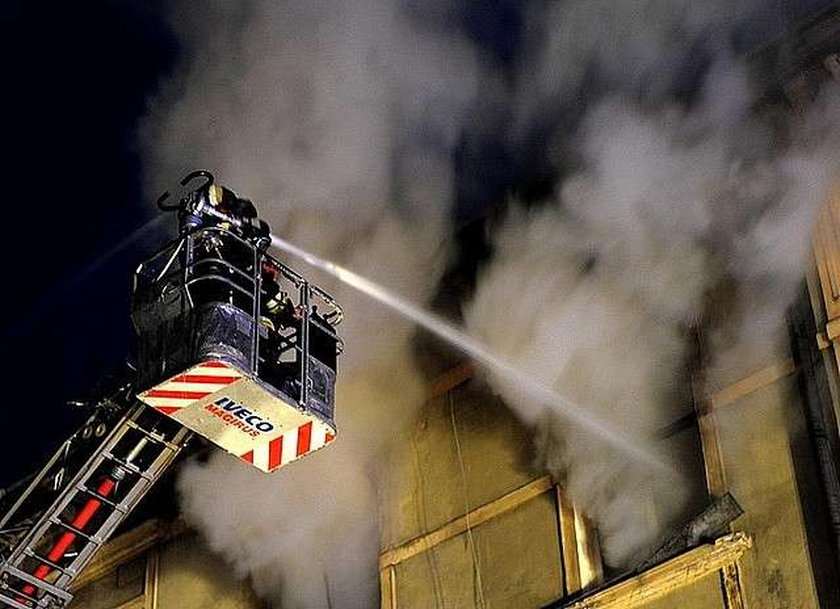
[755,435]
[190,577]
[163,573]
[469,456]
[510,560]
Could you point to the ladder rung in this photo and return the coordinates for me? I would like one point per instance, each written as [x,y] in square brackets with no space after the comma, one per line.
[126,465]
[78,532]
[98,497]
[154,438]
[41,584]
[15,597]
[32,554]
[8,601]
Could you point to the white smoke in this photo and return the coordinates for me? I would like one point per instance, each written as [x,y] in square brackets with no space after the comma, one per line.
[338,120]
[639,47]
[600,285]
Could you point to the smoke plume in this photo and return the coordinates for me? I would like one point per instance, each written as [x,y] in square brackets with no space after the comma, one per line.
[338,120]
[667,203]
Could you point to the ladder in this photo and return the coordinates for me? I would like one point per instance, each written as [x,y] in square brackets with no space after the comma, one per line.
[61,542]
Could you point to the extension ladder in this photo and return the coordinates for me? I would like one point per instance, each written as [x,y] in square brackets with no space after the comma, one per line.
[131,458]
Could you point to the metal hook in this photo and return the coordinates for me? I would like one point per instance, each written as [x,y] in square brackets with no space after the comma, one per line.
[200,173]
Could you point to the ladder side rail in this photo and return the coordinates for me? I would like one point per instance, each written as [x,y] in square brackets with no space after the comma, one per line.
[304,344]
[70,491]
[51,589]
[139,487]
[167,451]
[11,601]
[35,483]
[48,519]
[61,453]
[256,310]
[132,498]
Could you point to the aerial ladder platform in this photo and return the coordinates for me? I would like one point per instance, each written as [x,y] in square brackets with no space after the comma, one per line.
[137,450]
[234,347]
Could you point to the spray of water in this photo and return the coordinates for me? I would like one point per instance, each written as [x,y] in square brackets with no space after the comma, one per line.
[575,413]
[60,293]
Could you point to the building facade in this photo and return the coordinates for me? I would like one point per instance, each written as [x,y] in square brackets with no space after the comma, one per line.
[478,526]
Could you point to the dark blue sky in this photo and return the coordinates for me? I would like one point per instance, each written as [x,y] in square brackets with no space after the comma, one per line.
[75,81]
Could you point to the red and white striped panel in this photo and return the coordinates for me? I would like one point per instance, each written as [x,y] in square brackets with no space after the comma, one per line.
[195,384]
[292,445]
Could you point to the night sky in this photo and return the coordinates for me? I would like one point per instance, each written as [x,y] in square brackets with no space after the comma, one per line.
[78,77]
[76,81]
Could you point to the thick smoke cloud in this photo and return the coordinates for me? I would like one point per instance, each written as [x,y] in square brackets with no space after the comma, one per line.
[642,48]
[339,120]
[666,207]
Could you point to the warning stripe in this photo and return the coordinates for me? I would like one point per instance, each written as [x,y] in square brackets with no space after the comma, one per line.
[275,450]
[304,438]
[205,371]
[174,402]
[214,365]
[167,409]
[194,387]
[204,378]
[177,394]
[292,445]
[184,389]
